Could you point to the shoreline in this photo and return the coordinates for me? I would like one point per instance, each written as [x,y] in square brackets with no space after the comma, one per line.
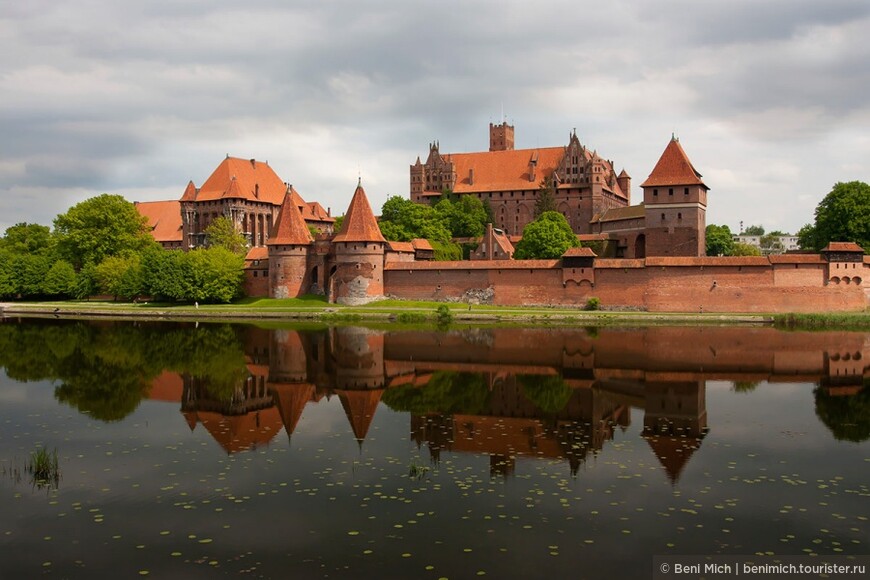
[391,313]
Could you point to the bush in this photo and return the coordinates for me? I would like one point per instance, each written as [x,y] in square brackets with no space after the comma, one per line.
[443,315]
[593,304]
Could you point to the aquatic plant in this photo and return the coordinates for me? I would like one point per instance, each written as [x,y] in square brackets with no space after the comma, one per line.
[44,468]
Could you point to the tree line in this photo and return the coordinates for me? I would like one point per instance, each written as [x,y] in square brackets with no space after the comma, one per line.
[103,246]
[843,215]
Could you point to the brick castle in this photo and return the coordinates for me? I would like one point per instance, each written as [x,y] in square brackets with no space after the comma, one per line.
[656,250]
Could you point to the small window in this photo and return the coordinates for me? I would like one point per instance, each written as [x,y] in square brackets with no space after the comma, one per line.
[671,191]
[663,217]
[679,216]
[685,191]
[656,192]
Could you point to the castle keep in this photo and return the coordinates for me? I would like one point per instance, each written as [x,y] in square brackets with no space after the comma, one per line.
[658,261]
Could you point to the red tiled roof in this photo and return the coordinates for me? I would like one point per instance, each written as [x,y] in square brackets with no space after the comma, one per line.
[256,181]
[164,219]
[503,170]
[795,259]
[401,247]
[290,226]
[474,265]
[673,168]
[708,261]
[258,253]
[620,213]
[503,242]
[843,247]
[316,213]
[619,263]
[359,223]
[189,192]
[579,253]
[422,244]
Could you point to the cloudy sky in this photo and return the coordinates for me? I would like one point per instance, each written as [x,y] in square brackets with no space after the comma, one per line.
[770,99]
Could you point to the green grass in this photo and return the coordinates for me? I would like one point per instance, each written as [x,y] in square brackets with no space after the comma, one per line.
[43,468]
[823,321]
[308,300]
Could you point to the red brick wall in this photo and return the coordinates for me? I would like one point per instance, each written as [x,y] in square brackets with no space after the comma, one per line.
[705,286]
[257,286]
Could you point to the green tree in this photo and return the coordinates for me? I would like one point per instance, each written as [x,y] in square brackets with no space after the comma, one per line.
[842,216]
[28,272]
[338,221]
[213,275]
[741,249]
[60,280]
[464,218]
[163,274]
[807,238]
[402,220]
[102,226]
[7,283]
[546,201]
[719,240]
[24,238]
[754,231]
[549,236]
[222,233]
[120,276]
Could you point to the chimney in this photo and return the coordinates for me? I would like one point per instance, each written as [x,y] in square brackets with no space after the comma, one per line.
[257,190]
[471,176]
[254,163]
[328,212]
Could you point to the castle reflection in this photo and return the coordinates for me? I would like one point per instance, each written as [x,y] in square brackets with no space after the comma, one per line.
[512,393]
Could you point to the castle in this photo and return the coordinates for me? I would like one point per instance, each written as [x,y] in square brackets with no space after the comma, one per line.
[658,263]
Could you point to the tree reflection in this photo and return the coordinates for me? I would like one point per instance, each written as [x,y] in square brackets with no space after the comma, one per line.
[846,415]
[105,370]
[549,393]
[446,392]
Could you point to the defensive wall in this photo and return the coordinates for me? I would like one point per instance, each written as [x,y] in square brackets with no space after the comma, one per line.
[785,283]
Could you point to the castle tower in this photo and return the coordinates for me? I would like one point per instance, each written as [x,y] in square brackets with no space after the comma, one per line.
[624,181]
[189,217]
[289,247]
[359,255]
[675,201]
[501,137]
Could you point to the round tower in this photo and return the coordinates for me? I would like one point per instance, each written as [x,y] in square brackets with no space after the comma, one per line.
[289,247]
[358,276]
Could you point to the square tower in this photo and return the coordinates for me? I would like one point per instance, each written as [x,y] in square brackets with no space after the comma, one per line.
[501,137]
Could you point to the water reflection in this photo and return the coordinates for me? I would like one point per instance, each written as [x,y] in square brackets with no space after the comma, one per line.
[508,393]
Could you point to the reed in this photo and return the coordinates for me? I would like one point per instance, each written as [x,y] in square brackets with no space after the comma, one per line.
[44,468]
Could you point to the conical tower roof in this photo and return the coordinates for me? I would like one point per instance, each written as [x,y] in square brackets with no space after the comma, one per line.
[359,223]
[290,227]
[233,191]
[360,407]
[673,168]
[189,192]
[291,400]
[673,452]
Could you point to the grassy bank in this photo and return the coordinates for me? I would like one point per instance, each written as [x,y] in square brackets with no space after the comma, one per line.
[316,309]
[823,321]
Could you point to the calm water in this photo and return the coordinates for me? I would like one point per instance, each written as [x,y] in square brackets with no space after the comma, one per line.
[227,450]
